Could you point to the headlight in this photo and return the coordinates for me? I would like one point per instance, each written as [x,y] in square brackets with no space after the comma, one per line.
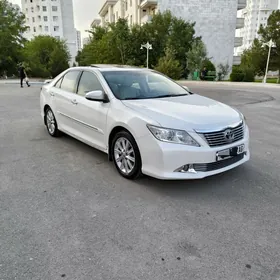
[172,136]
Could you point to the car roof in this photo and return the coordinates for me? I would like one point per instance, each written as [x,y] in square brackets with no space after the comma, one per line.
[110,67]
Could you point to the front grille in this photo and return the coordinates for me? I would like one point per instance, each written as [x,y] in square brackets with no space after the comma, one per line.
[217,138]
[204,167]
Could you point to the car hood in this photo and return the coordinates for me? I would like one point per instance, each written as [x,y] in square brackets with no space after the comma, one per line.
[186,112]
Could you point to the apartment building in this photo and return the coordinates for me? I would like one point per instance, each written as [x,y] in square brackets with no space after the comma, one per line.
[255,14]
[216,21]
[135,11]
[51,17]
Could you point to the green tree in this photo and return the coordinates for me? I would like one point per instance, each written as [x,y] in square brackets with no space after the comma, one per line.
[255,58]
[196,56]
[180,40]
[138,36]
[208,64]
[117,43]
[169,66]
[120,38]
[46,56]
[272,32]
[11,40]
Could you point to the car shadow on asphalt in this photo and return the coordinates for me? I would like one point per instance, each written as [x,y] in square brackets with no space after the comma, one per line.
[226,184]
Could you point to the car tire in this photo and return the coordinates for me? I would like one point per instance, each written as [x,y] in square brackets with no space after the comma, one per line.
[51,123]
[126,155]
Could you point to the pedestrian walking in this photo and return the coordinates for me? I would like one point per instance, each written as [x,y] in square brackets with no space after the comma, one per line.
[23,76]
[203,74]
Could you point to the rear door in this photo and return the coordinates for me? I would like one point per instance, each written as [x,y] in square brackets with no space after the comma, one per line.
[64,95]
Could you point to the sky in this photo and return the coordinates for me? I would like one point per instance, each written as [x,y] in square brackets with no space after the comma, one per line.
[85,11]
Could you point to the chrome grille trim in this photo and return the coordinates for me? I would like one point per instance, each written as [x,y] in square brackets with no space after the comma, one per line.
[217,138]
[206,167]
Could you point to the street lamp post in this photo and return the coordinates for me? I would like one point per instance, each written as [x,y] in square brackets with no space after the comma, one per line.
[149,47]
[270,45]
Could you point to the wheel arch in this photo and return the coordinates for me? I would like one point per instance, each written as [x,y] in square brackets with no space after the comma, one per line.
[45,109]
[114,131]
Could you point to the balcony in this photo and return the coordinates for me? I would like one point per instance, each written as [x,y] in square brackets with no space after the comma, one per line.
[236,60]
[104,10]
[238,41]
[240,22]
[148,3]
[241,4]
[146,18]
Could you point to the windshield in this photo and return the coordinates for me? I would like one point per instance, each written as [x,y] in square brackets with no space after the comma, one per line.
[141,85]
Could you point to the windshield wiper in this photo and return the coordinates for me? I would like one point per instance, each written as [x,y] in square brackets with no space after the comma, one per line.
[169,95]
[131,98]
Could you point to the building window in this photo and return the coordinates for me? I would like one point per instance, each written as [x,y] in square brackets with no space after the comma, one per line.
[44,8]
[33,19]
[55,18]
[46,28]
[54,8]
[56,28]
[130,3]
[34,29]
[45,18]
[32,10]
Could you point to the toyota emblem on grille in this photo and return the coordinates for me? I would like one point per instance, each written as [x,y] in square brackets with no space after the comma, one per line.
[229,135]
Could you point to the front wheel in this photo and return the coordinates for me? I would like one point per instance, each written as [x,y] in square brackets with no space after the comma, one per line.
[126,155]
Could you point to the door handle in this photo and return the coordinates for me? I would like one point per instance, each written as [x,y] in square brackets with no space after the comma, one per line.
[74,101]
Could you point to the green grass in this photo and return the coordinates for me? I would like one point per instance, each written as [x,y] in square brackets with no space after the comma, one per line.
[269,80]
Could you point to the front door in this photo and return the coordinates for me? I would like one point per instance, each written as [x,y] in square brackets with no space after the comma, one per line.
[91,116]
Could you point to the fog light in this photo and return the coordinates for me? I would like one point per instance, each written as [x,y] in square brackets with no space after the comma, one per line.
[191,169]
[183,169]
[187,168]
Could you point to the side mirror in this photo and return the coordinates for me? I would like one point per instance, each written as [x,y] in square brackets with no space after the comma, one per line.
[97,95]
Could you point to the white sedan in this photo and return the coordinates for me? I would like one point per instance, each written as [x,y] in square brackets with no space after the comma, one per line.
[145,122]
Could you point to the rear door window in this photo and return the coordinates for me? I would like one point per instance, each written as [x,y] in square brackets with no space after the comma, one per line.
[70,81]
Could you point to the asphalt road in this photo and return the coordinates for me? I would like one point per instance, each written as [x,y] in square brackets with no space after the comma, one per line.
[66,213]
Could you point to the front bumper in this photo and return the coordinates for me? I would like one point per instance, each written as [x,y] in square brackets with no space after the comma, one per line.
[160,159]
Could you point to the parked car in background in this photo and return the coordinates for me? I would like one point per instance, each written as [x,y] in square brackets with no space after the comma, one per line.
[145,122]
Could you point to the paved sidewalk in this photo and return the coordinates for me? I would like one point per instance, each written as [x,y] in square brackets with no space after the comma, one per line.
[17,81]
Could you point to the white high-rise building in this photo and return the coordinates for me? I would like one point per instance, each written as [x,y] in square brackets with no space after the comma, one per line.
[216,20]
[79,40]
[51,17]
[256,13]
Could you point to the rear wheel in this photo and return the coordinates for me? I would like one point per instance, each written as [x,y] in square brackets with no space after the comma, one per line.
[126,155]
[51,123]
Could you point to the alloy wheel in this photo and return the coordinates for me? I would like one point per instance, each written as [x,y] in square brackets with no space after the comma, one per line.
[124,155]
[50,122]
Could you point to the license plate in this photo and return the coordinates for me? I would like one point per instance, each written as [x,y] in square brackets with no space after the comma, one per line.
[229,153]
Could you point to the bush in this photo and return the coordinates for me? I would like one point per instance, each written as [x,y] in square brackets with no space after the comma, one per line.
[249,75]
[240,74]
[237,74]
[169,66]
[209,65]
